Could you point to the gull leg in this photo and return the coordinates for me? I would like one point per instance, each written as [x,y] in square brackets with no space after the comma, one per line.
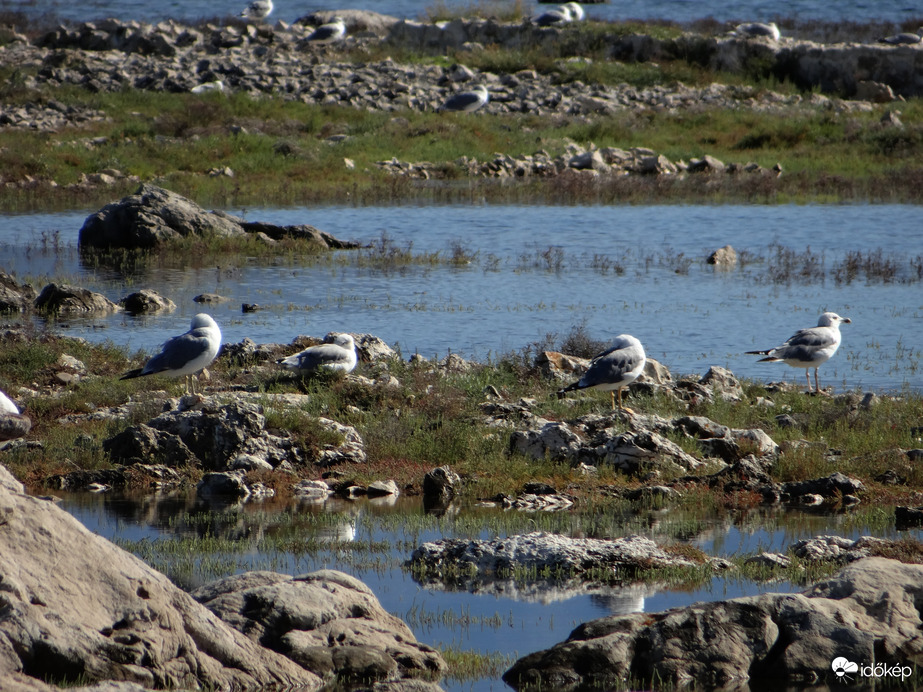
[816,383]
[612,398]
[622,408]
[807,376]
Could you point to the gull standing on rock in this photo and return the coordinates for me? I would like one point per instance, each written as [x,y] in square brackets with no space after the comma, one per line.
[185,355]
[339,355]
[808,348]
[332,31]
[754,29]
[258,9]
[616,367]
[467,101]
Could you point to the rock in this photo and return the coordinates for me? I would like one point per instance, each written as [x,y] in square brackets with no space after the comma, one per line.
[223,484]
[864,613]
[559,366]
[327,621]
[144,301]
[153,216]
[62,298]
[439,487]
[382,489]
[542,553]
[723,257]
[831,486]
[129,623]
[723,383]
[14,297]
[873,91]
[14,426]
[150,217]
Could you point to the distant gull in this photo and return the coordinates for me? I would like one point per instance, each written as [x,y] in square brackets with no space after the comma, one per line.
[186,354]
[560,15]
[339,355]
[615,368]
[753,29]
[903,39]
[258,9]
[332,31]
[576,11]
[809,348]
[467,101]
[216,85]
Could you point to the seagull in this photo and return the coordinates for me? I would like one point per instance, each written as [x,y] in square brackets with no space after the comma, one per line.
[258,9]
[339,355]
[467,101]
[561,15]
[615,368]
[808,348]
[576,11]
[754,29]
[332,31]
[204,87]
[186,354]
[7,405]
[905,39]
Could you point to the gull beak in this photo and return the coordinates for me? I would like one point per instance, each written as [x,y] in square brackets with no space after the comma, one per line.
[846,320]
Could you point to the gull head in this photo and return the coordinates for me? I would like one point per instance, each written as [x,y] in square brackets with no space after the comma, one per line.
[831,319]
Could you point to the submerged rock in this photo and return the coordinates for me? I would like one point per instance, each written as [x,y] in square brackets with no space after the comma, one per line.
[63,298]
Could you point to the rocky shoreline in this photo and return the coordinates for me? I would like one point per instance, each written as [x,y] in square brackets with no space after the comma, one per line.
[278,61]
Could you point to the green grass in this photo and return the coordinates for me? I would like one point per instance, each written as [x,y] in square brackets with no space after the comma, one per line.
[279,153]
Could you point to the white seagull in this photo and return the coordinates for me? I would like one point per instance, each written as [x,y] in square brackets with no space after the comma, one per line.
[467,101]
[339,355]
[615,368]
[185,355]
[7,405]
[808,348]
[904,39]
[754,29]
[258,9]
[576,11]
[560,15]
[332,31]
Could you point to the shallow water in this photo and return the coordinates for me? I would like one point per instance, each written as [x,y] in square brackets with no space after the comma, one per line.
[540,270]
[507,618]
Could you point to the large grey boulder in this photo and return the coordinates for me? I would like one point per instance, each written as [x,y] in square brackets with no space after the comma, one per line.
[76,607]
[327,621]
[868,613]
[150,217]
[153,216]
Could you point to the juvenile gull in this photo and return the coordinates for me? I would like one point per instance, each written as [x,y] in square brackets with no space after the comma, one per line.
[332,31]
[340,355]
[467,101]
[258,9]
[615,368]
[186,354]
[808,348]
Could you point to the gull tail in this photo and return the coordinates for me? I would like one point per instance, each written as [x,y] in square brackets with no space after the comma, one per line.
[568,388]
[762,353]
[131,374]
